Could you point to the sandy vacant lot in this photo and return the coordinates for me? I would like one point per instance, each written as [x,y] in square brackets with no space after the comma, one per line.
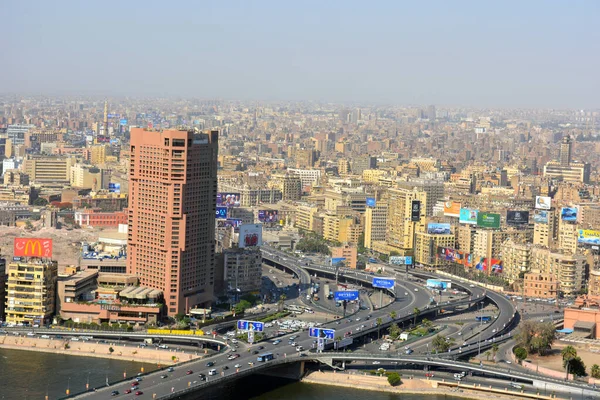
[65,244]
[554,361]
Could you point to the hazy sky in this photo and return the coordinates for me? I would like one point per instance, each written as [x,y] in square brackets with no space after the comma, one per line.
[510,53]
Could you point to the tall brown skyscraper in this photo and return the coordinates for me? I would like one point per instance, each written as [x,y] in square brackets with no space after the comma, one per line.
[172,205]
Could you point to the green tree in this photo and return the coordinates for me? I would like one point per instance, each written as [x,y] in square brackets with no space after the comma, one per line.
[393,314]
[487,355]
[242,306]
[378,321]
[595,371]
[40,201]
[441,344]
[427,323]
[536,337]
[520,353]
[568,353]
[494,350]
[281,302]
[416,313]
[111,350]
[394,379]
[394,331]
[576,366]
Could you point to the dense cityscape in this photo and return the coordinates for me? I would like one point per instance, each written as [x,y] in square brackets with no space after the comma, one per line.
[277,200]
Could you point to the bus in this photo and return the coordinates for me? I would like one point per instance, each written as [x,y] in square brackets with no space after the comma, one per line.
[328,294]
[294,309]
[265,357]
[485,318]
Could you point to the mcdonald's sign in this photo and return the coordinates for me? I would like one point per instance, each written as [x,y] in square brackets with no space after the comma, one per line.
[32,247]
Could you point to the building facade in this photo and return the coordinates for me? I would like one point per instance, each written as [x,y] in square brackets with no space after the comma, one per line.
[172,205]
[243,270]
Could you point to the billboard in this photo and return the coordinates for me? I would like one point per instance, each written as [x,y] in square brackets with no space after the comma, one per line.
[268,216]
[347,295]
[337,260]
[123,122]
[228,199]
[517,217]
[384,283]
[468,216]
[457,256]
[244,325]
[451,209]
[250,235]
[481,265]
[543,202]
[540,216]
[415,211]
[229,222]
[114,187]
[221,212]
[488,220]
[438,229]
[321,333]
[568,214]
[495,265]
[32,247]
[401,260]
[371,202]
[437,284]
[587,236]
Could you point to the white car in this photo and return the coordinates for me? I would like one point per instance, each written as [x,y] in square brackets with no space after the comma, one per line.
[376,362]
[238,366]
[212,372]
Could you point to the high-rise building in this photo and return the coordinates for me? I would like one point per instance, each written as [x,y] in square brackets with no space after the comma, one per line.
[426,247]
[42,169]
[565,169]
[565,151]
[243,270]
[16,133]
[543,232]
[172,205]
[433,189]
[31,291]
[400,232]
[375,224]
[291,187]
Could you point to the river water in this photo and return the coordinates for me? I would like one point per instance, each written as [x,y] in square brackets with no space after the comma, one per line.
[31,375]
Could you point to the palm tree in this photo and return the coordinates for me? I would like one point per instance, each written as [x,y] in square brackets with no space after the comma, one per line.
[378,321]
[393,315]
[487,355]
[281,302]
[568,353]
[338,339]
[494,350]
[416,313]
[595,371]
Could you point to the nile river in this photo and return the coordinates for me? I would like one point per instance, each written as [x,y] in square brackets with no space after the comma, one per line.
[31,375]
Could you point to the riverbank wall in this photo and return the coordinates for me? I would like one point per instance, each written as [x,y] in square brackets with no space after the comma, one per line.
[93,348]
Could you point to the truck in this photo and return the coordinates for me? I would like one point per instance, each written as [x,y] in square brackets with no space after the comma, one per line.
[328,292]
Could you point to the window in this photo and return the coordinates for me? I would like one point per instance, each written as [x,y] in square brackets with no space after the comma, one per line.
[166,141]
[178,142]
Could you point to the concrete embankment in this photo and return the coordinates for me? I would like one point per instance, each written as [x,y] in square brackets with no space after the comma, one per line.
[94,349]
[414,386]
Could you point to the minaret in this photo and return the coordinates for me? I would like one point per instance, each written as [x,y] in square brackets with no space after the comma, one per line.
[106,118]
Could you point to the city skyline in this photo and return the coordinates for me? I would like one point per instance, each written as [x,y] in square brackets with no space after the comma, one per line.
[467,55]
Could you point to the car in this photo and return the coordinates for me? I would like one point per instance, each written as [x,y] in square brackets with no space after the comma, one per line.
[164,376]
[508,362]
[170,369]
[237,365]
[114,393]
[210,363]
[134,383]
[127,391]
[416,290]
[293,343]
[250,363]
[255,352]
[139,379]
[189,372]
[277,341]
[459,333]
[261,347]
[225,367]
[376,362]
[212,372]
[163,346]
[139,393]
[429,374]
[231,357]
[357,319]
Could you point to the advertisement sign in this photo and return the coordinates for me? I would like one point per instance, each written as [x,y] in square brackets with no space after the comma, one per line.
[256,326]
[437,284]
[456,256]
[401,260]
[488,220]
[415,211]
[371,202]
[383,283]
[481,265]
[468,216]
[543,202]
[347,295]
[250,235]
[451,209]
[337,260]
[268,216]
[568,214]
[438,229]
[228,199]
[321,333]
[114,187]
[517,217]
[123,122]
[495,266]
[229,222]
[32,247]
[221,212]
[587,236]
[540,216]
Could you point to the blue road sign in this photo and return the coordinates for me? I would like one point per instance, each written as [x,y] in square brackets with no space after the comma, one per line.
[408,260]
[321,333]
[256,326]
[347,295]
[384,283]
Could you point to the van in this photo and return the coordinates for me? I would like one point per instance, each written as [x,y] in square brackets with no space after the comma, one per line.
[458,377]
[212,372]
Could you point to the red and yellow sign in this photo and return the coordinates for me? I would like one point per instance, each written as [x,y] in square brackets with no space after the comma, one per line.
[32,247]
